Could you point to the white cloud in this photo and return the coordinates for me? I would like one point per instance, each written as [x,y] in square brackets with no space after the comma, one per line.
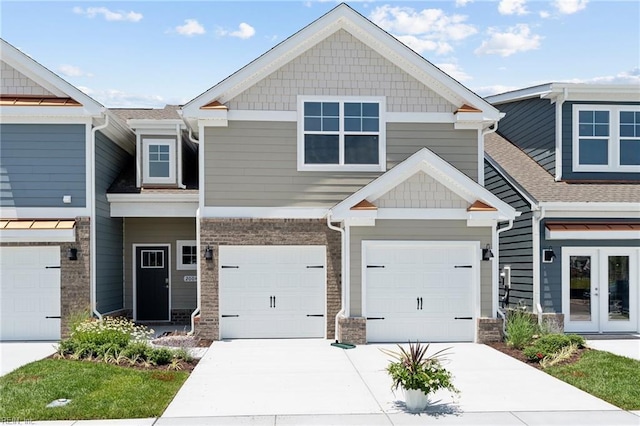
[463,3]
[120,15]
[623,77]
[512,7]
[516,39]
[544,14]
[568,7]
[424,30]
[455,71]
[73,71]
[190,28]
[243,32]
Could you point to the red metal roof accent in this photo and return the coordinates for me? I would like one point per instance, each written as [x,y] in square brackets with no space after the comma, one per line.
[364,205]
[214,105]
[14,100]
[479,206]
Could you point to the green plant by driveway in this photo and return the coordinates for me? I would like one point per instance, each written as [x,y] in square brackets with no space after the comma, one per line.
[551,344]
[520,328]
[414,369]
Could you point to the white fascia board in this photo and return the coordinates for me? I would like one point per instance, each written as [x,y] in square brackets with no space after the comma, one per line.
[591,214]
[596,92]
[154,197]
[37,235]
[153,209]
[342,17]
[520,94]
[44,212]
[48,79]
[551,207]
[592,235]
[264,212]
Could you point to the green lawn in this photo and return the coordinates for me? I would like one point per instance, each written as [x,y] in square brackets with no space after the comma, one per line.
[613,378]
[97,391]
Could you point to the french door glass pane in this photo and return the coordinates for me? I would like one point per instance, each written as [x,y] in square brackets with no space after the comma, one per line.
[580,288]
[618,279]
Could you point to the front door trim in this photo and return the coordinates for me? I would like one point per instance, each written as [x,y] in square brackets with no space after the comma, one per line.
[134,273]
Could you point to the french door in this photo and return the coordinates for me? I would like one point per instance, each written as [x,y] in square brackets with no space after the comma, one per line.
[600,289]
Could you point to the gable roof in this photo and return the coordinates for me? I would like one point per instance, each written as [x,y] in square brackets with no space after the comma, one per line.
[48,80]
[343,17]
[536,183]
[427,162]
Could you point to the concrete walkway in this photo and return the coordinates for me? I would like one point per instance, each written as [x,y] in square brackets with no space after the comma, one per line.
[623,347]
[16,354]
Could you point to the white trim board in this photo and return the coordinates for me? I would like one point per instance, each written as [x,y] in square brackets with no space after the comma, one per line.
[37,235]
[591,235]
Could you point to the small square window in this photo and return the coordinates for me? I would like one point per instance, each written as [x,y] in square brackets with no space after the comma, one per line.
[159,161]
[187,255]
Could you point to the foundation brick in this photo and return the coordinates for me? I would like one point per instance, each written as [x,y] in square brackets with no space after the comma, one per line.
[352,330]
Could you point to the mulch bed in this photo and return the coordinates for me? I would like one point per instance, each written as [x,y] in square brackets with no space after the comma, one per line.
[517,354]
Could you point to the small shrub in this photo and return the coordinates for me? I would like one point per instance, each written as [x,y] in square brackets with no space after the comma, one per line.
[551,344]
[160,356]
[138,350]
[183,354]
[520,329]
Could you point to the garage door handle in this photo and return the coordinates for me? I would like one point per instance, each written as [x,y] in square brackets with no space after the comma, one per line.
[375,318]
[51,267]
[315,267]
[463,266]
[315,315]
[227,266]
[53,317]
[230,316]
[464,318]
[375,266]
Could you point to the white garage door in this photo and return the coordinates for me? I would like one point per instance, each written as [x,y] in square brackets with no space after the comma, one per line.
[30,292]
[420,291]
[272,291]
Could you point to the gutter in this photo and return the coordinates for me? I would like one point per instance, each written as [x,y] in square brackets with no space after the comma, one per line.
[489,130]
[496,290]
[538,215]
[92,221]
[342,272]
[198,274]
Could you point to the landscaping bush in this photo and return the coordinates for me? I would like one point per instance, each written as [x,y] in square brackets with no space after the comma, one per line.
[520,328]
[551,344]
[161,356]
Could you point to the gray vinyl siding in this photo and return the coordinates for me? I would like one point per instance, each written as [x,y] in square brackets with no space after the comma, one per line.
[417,230]
[530,125]
[40,163]
[161,231]
[551,273]
[254,164]
[567,149]
[515,245]
[110,159]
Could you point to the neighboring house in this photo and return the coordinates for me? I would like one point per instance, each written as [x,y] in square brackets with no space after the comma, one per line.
[59,152]
[341,187]
[568,157]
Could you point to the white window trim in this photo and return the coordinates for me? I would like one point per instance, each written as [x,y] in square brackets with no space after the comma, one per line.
[382,145]
[613,139]
[171,143]
[179,265]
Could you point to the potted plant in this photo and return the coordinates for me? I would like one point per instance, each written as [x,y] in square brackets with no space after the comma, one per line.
[418,374]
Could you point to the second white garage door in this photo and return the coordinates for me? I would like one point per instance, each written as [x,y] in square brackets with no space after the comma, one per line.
[30,293]
[420,290]
[272,291]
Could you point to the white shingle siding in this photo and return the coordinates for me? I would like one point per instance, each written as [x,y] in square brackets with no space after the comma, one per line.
[15,83]
[340,65]
[421,191]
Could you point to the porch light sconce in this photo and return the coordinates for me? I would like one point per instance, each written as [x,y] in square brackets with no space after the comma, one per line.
[208,253]
[487,254]
[548,255]
[72,254]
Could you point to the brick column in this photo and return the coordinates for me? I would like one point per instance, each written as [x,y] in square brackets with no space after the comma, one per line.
[75,275]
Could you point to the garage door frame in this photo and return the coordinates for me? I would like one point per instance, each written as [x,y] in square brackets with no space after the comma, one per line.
[475,262]
[324,286]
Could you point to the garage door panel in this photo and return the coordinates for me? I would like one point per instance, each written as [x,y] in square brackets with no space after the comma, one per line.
[30,293]
[281,284]
[420,292]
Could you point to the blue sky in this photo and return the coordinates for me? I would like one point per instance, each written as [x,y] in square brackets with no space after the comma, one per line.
[150,53]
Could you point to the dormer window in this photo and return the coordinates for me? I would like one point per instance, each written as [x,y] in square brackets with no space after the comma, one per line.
[341,134]
[159,161]
[606,138]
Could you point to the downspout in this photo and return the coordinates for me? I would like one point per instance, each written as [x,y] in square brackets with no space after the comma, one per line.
[538,216]
[342,272]
[484,133]
[496,290]
[198,264]
[559,101]
[92,221]
[179,148]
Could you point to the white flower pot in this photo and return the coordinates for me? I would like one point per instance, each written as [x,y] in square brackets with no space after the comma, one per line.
[415,400]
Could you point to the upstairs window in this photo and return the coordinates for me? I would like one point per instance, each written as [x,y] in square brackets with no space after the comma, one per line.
[341,135]
[159,162]
[606,138]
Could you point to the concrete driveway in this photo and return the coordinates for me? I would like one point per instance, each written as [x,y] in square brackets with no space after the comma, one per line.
[289,378]
[14,355]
